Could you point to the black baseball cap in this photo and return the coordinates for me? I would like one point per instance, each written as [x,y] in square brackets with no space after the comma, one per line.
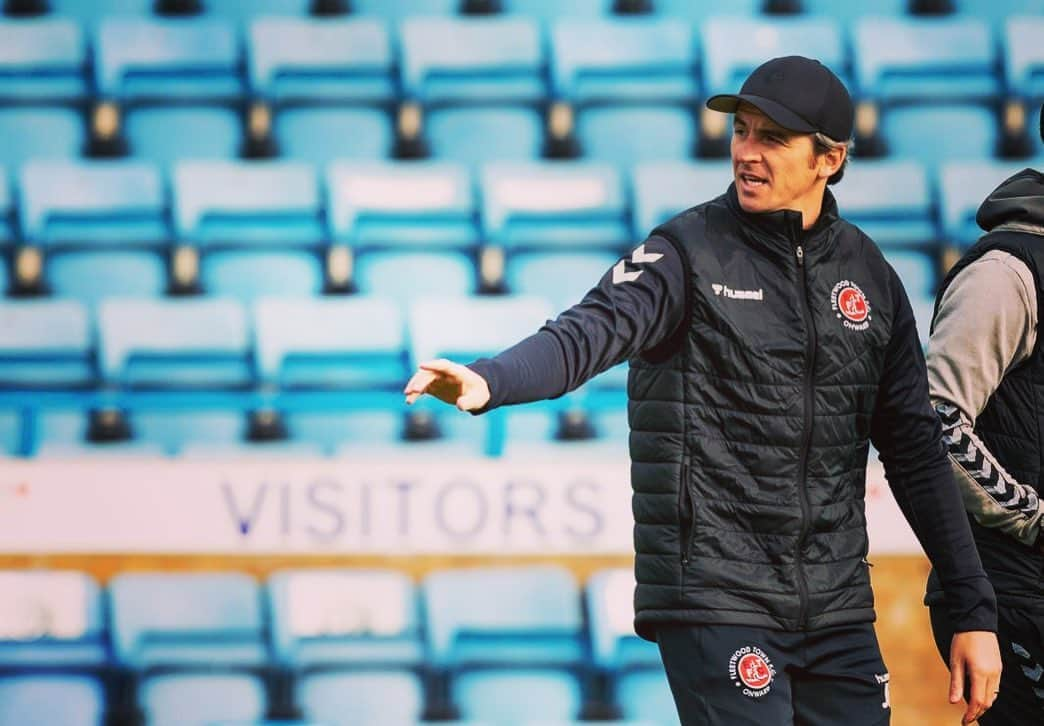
[798,93]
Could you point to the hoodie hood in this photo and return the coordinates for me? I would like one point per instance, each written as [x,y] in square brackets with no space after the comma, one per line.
[1019,200]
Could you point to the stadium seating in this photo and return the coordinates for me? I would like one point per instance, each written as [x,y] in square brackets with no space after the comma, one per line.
[88,12]
[42,133]
[847,13]
[696,11]
[963,185]
[167,134]
[397,10]
[996,11]
[317,134]
[925,59]
[406,276]
[42,59]
[7,232]
[330,59]
[477,134]
[663,189]
[353,342]
[889,199]
[619,60]
[549,10]
[628,135]
[174,343]
[562,279]
[1024,56]
[510,639]
[167,58]
[917,271]
[933,134]
[45,344]
[735,46]
[243,11]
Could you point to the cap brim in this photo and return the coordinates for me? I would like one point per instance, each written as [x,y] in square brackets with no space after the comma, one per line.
[728,102]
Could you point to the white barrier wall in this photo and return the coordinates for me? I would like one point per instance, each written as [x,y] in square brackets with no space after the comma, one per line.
[340,506]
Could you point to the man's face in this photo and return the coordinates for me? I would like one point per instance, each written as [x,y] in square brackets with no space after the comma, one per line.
[774,168]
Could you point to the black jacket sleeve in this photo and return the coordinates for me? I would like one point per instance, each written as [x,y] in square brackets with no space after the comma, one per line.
[636,305]
[907,432]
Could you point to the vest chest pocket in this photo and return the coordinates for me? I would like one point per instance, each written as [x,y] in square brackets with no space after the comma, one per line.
[686,513]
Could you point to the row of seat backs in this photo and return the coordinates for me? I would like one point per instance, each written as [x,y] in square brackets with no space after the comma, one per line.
[440,205]
[508,59]
[508,616]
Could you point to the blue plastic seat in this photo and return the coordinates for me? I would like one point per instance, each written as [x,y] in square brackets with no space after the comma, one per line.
[733,46]
[628,135]
[925,59]
[472,59]
[328,58]
[165,135]
[963,185]
[42,59]
[646,58]
[509,637]
[33,132]
[356,342]
[997,11]
[634,665]
[405,276]
[249,274]
[476,135]
[548,11]
[401,204]
[167,58]
[243,11]
[465,328]
[560,278]
[202,698]
[45,343]
[172,432]
[92,203]
[561,204]
[916,270]
[7,227]
[174,343]
[89,12]
[665,188]
[52,699]
[247,204]
[90,276]
[935,134]
[889,199]
[848,13]
[396,10]
[321,134]
[697,11]
[1024,56]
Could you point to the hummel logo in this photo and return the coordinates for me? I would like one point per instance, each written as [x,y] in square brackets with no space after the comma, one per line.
[620,273]
[725,290]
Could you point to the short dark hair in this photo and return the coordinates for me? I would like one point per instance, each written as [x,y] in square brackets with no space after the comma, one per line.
[821,144]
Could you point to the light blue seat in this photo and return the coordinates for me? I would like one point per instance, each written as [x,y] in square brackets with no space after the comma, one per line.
[90,276]
[36,132]
[925,58]
[88,12]
[327,58]
[997,11]
[697,11]
[633,664]
[243,11]
[1024,56]
[183,699]
[472,59]
[7,227]
[50,618]
[247,274]
[355,342]
[560,278]
[509,637]
[889,199]
[405,276]
[628,135]
[81,203]
[173,431]
[319,134]
[395,10]
[54,699]
[361,628]
[476,135]
[465,328]
[663,189]
[848,13]
[548,11]
[42,59]
[165,135]
[354,433]
[963,185]
[45,343]
[401,204]
[244,204]
[916,270]
[167,58]
[578,205]
[174,343]
[733,46]
[935,134]
[639,58]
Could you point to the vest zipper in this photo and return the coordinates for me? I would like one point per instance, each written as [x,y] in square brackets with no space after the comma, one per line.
[686,512]
[810,358]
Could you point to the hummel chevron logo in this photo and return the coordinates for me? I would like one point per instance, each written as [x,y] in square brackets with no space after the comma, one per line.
[620,273]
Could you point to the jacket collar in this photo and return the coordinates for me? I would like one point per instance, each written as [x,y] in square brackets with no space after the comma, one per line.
[780,232]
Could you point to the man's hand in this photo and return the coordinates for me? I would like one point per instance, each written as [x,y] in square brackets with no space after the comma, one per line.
[975,656]
[449,382]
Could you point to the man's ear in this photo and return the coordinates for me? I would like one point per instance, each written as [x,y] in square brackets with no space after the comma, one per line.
[832,161]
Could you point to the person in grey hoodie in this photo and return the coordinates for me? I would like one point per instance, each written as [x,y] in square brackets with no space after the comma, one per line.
[986,380]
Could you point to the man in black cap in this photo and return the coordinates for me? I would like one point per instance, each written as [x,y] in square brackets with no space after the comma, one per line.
[769,343]
[986,377]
